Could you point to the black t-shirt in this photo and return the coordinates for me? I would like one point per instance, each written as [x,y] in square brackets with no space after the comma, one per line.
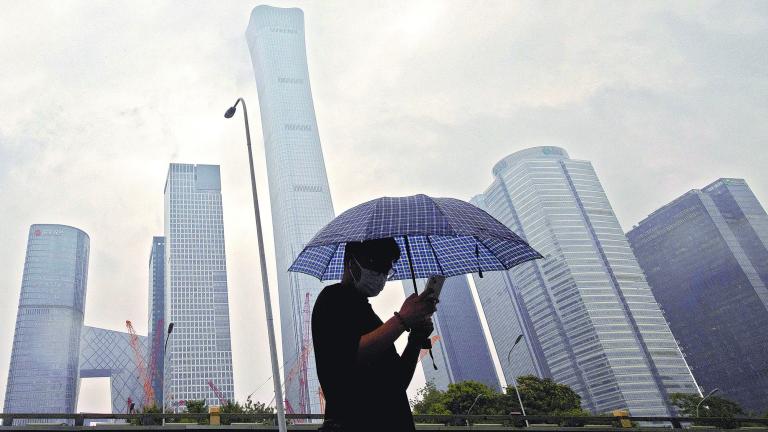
[366,396]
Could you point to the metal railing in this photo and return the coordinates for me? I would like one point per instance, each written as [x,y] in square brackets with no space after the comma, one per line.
[513,421]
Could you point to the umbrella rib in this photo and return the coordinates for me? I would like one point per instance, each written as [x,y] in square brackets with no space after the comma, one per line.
[368,229]
[447,220]
[434,254]
[480,241]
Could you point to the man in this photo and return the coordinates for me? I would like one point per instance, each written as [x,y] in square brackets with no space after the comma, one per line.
[362,376]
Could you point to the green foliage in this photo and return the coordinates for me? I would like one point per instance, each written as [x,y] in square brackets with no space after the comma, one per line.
[714,406]
[257,407]
[150,409]
[542,396]
[197,406]
[245,411]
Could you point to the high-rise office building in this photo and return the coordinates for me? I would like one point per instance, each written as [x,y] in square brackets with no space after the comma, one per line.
[156,309]
[589,318]
[196,298]
[461,350]
[298,184]
[705,255]
[44,369]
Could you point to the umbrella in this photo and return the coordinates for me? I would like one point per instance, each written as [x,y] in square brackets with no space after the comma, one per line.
[439,236]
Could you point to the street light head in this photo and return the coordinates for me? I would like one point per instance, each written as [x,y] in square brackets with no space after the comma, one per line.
[170,328]
[518,339]
[230,112]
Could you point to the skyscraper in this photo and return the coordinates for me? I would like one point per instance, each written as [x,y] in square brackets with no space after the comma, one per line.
[461,353]
[589,317]
[196,298]
[44,369]
[705,256]
[298,184]
[156,321]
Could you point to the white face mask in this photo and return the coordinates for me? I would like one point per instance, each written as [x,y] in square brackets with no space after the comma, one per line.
[371,282]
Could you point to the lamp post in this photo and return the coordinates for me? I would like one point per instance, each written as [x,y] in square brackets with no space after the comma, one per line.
[165,346]
[264,280]
[705,398]
[519,399]
[472,406]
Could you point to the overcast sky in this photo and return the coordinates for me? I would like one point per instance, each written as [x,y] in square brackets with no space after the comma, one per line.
[96,98]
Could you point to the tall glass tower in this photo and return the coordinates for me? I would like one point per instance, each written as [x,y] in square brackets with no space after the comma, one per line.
[298,184]
[461,350]
[44,371]
[587,312]
[196,299]
[156,321]
[706,258]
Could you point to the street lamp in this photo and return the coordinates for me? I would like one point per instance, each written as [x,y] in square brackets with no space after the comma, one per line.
[472,406]
[264,280]
[519,399]
[165,347]
[705,398]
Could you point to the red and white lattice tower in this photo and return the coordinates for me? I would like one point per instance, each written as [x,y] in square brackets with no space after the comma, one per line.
[149,393]
[306,345]
[154,355]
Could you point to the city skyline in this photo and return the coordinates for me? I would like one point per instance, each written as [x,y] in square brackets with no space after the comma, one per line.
[411,97]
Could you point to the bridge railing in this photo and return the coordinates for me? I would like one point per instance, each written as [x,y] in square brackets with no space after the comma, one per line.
[154,419]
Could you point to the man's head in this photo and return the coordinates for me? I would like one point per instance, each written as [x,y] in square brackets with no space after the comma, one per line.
[367,264]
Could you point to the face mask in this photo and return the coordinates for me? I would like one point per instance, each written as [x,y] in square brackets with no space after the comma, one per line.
[371,282]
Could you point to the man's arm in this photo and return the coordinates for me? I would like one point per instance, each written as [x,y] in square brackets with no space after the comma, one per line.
[415,309]
[374,343]
[410,356]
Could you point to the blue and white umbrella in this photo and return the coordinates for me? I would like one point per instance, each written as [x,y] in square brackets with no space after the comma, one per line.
[438,236]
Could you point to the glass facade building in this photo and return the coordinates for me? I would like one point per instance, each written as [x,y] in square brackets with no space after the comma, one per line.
[461,351]
[108,354]
[196,297]
[588,315]
[43,375]
[156,326]
[298,184]
[705,256]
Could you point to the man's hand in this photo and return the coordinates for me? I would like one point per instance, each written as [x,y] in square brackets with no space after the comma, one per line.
[417,309]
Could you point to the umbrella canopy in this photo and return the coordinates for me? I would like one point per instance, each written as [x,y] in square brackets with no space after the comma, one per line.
[441,236]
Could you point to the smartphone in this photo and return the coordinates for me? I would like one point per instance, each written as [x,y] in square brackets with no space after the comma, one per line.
[434,285]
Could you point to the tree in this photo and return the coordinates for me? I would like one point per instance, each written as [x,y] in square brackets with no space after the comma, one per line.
[714,406]
[542,396]
[197,407]
[257,407]
[430,400]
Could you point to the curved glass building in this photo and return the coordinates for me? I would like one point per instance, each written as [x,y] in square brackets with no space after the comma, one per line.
[587,313]
[298,184]
[44,371]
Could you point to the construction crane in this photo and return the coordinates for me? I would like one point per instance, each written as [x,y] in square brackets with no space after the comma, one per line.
[306,315]
[219,395]
[155,354]
[321,396]
[149,393]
